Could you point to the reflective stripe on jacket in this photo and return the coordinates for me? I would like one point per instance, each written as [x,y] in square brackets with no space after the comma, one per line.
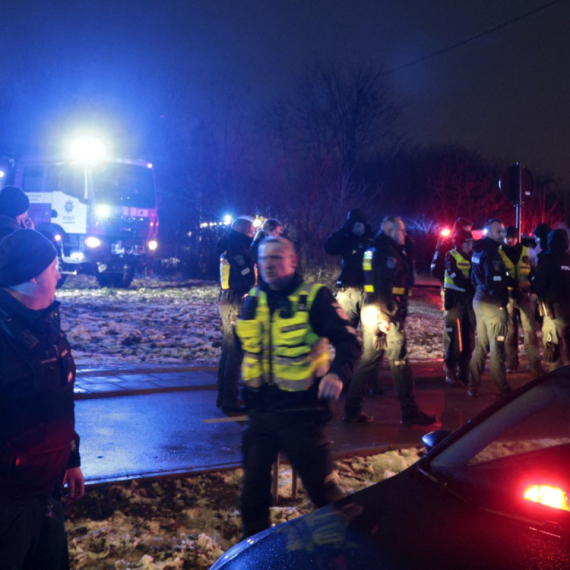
[464,265]
[282,348]
[521,270]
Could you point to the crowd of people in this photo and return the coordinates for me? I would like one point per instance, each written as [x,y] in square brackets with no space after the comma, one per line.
[491,289]
[277,331]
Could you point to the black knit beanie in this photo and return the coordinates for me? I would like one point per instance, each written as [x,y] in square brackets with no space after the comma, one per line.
[13,201]
[24,254]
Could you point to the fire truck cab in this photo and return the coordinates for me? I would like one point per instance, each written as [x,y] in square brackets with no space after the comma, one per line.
[102,214]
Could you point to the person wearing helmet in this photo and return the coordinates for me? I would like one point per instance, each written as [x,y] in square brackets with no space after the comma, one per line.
[521,307]
[459,332]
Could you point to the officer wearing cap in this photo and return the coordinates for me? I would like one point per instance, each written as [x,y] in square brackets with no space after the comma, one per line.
[459,332]
[14,206]
[489,277]
[388,278]
[39,448]
[445,244]
[521,306]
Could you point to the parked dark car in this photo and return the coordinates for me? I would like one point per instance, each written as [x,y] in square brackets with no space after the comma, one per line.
[494,494]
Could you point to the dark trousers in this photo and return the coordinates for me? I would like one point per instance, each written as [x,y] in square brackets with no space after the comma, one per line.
[32,535]
[524,309]
[231,358]
[459,335]
[351,301]
[301,435]
[393,345]
[491,335]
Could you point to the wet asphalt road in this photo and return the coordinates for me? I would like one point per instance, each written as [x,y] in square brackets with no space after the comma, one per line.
[155,431]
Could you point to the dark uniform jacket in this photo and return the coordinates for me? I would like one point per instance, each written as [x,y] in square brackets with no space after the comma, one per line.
[235,248]
[326,320]
[37,424]
[488,273]
[552,280]
[351,247]
[390,279]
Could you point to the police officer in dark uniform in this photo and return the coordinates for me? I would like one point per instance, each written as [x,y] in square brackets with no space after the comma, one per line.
[237,275]
[489,277]
[284,331]
[351,241]
[38,444]
[459,332]
[552,285]
[521,307]
[388,277]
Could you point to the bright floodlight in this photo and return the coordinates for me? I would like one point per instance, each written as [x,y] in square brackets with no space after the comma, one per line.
[257,223]
[2,174]
[228,219]
[103,211]
[87,149]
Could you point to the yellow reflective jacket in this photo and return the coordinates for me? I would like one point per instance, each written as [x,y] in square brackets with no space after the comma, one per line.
[282,348]
[464,265]
[520,271]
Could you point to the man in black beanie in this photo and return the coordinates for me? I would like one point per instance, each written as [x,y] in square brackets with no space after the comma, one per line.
[14,206]
[39,449]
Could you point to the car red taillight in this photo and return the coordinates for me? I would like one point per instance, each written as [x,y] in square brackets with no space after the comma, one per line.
[547,495]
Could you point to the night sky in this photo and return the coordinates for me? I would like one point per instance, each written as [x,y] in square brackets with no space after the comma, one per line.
[120,65]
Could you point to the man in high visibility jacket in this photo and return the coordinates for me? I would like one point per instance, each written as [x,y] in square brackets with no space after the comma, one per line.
[283,332]
[460,323]
[387,281]
[517,260]
[237,275]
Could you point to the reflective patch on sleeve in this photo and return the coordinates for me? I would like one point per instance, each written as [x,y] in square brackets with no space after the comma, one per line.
[475,260]
[500,339]
[497,278]
[390,262]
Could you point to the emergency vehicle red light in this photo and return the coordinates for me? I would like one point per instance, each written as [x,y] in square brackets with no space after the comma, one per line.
[445,232]
[548,496]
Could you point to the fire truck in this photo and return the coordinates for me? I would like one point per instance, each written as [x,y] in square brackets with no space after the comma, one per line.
[101,212]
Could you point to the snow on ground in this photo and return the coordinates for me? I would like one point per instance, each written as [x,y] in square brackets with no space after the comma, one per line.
[189,522]
[165,320]
[183,523]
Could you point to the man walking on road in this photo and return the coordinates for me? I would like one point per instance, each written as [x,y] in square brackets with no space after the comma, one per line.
[388,278]
[283,331]
[39,448]
[489,278]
